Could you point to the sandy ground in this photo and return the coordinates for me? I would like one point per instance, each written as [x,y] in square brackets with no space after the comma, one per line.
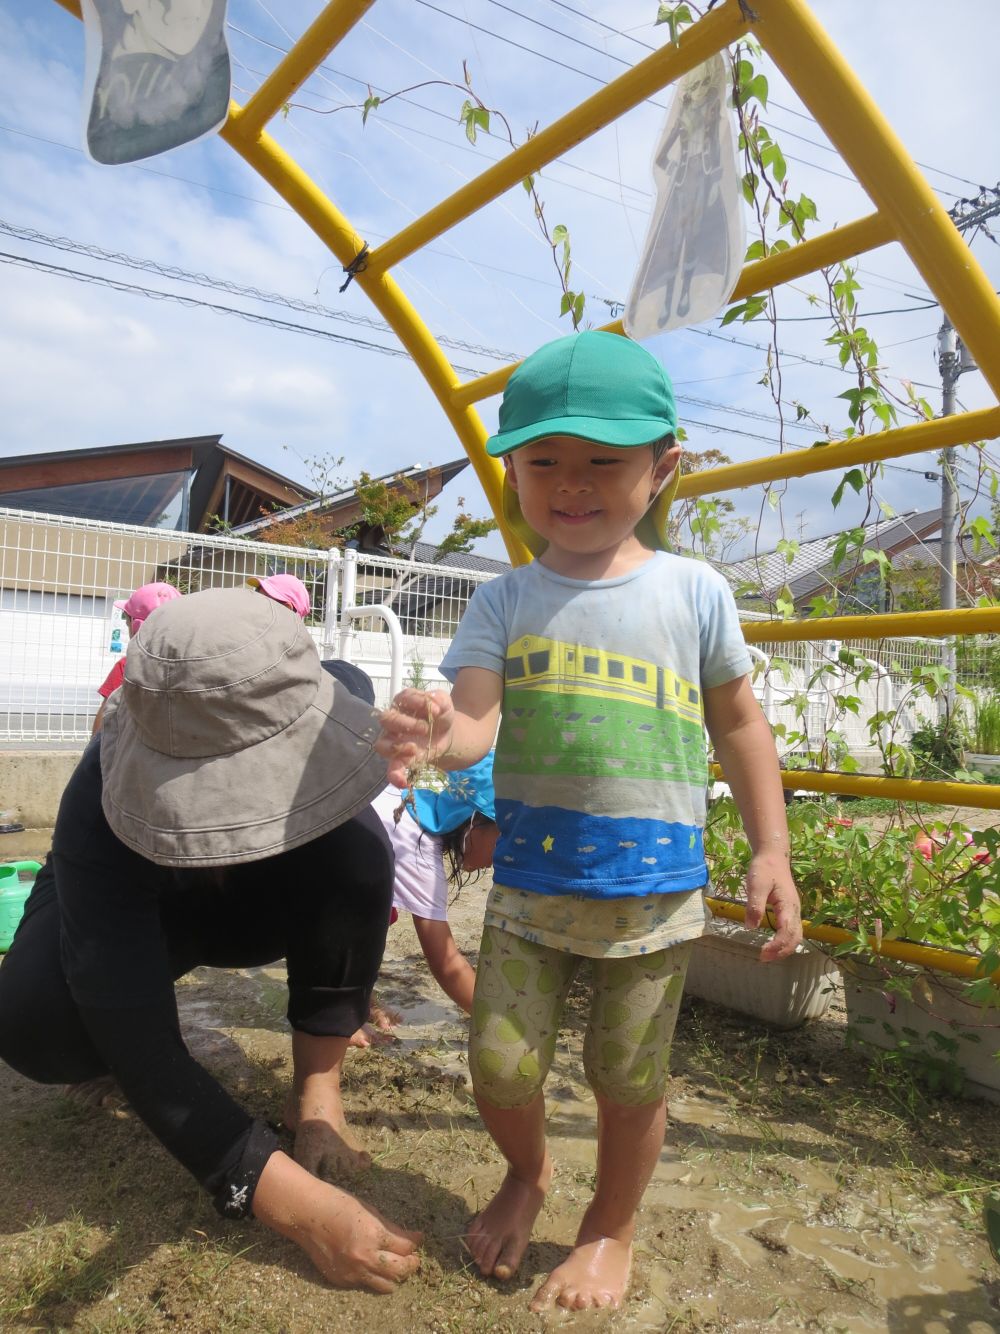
[802,1186]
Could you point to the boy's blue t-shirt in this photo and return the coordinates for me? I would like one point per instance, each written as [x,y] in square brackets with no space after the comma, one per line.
[601,765]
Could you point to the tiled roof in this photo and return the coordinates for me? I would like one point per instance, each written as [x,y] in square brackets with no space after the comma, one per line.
[811,567]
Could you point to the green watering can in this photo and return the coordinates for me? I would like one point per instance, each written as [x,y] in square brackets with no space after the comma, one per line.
[13,893]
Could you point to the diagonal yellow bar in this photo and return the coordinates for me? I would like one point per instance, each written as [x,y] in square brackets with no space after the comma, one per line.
[315,44]
[852,239]
[939,433]
[266,156]
[963,621]
[717,30]
[794,39]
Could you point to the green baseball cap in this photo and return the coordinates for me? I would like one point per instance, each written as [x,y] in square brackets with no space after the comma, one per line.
[594,385]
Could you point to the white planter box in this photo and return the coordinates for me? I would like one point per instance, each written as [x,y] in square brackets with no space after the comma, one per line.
[984,764]
[881,1017]
[725,968]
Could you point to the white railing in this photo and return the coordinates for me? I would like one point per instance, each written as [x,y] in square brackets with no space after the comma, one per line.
[60,577]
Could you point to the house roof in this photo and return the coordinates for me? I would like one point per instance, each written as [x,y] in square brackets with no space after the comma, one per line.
[136,483]
[810,569]
[467,560]
[342,509]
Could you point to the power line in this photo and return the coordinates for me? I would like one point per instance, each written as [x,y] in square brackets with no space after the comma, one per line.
[792,111]
[235,289]
[252,317]
[270,203]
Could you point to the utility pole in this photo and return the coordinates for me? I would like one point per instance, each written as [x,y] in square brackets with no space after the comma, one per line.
[954,360]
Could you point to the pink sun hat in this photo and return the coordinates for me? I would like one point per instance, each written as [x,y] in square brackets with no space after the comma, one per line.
[284,588]
[145,600]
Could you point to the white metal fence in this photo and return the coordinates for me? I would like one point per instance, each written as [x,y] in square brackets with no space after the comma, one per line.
[60,577]
[60,633]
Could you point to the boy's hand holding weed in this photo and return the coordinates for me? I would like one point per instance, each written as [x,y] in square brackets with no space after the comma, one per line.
[770,885]
[416,729]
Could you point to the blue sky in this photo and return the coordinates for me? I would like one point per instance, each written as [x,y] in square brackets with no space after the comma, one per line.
[86,365]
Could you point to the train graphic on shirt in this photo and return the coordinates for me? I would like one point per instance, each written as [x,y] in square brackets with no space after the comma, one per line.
[535,663]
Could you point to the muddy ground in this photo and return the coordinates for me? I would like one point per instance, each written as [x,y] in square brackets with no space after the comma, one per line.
[803,1185]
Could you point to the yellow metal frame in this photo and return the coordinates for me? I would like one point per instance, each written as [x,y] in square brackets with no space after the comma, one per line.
[907,211]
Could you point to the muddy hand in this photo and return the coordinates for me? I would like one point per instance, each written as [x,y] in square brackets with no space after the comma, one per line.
[414,729]
[352,1245]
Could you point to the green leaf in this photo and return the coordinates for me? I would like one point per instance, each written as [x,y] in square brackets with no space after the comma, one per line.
[529,184]
[758,88]
[981,531]
[675,17]
[371,102]
[788,548]
[559,234]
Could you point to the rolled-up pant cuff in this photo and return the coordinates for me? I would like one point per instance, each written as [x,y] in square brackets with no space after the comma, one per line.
[233,1198]
[329,1012]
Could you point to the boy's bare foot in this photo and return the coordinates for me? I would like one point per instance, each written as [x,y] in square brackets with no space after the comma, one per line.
[324,1142]
[498,1237]
[379,1029]
[595,1273]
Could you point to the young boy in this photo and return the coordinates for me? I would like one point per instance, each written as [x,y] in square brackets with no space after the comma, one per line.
[607,655]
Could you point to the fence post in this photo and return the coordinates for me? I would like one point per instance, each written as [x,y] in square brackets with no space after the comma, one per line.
[348,597]
[331,603]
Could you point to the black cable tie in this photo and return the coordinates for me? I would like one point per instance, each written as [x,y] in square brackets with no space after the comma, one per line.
[357,265]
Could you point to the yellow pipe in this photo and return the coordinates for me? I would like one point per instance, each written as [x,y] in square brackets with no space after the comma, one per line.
[864,234]
[919,624]
[962,428]
[975,796]
[315,44]
[794,39]
[289,180]
[717,30]
[905,951]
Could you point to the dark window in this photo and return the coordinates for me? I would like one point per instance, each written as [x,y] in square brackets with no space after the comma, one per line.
[515,668]
[616,670]
[591,664]
[539,662]
[639,674]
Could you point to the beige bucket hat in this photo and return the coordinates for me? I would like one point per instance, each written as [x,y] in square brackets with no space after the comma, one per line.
[228,742]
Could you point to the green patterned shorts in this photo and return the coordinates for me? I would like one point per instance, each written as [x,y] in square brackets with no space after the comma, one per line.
[521,988]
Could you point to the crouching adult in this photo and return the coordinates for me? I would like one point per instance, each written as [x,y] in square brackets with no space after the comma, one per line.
[221,818]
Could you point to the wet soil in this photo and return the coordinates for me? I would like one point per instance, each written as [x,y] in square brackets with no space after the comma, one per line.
[804,1184]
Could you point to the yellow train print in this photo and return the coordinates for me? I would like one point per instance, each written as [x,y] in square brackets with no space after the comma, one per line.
[534,663]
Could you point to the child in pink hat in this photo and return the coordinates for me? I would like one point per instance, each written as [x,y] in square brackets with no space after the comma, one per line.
[284,588]
[143,602]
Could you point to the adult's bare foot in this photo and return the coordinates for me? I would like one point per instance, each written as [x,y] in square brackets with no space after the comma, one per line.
[102,1091]
[498,1237]
[595,1274]
[325,1145]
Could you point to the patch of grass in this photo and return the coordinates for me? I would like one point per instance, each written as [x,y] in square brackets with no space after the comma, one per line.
[49,1265]
[859,807]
